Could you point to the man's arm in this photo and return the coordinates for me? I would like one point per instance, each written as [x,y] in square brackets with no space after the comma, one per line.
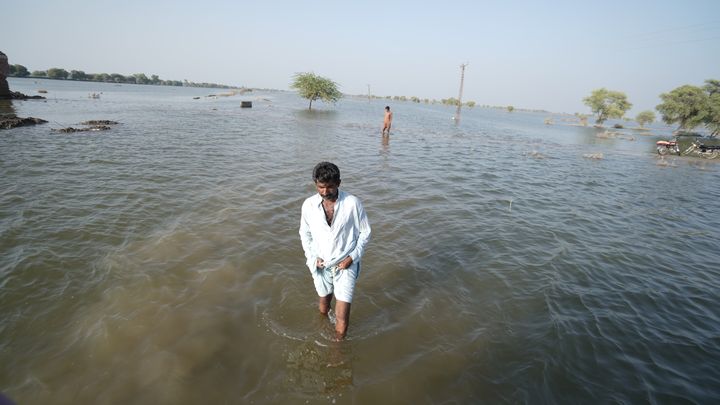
[307,242]
[364,234]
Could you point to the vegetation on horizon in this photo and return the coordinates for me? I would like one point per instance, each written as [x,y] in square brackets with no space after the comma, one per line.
[137,78]
[314,87]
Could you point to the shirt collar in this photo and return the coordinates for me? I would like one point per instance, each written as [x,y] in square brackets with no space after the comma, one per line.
[341,195]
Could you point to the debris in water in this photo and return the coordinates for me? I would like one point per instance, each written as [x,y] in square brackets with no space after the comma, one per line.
[91,128]
[597,156]
[99,122]
[535,154]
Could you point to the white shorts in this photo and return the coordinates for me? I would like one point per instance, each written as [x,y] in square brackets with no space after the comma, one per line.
[342,284]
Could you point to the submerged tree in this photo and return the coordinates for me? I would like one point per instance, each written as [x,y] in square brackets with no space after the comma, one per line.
[686,105]
[607,104]
[314,87]
[712,120]
[645,117]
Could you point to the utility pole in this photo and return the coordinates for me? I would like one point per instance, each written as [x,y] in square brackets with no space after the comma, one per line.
[462,79]
[368,92]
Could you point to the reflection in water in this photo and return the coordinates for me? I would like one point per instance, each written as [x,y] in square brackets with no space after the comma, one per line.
[7,110]
[317,114]
[314,368]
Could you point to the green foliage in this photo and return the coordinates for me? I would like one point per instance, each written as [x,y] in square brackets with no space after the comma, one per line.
[470,104]
[117,78]
[712,87]
[57,73]
[645,117]
[78,75]
[314,87]
[101,77]
[38,73]
[510,108]
[712,120]
[140,78]
[686,105]
[607,104]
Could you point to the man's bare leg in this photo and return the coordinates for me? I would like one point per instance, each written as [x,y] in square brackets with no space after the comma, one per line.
[342,319]
[324,304]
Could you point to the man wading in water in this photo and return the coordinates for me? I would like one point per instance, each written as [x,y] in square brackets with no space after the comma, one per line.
[334,230]
[387,122]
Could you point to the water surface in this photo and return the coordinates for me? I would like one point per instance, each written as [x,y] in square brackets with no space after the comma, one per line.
[159,262]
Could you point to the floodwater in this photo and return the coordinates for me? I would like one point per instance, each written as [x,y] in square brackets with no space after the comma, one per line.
[511,261]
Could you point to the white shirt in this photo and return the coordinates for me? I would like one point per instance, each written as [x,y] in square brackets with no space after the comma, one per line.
[348,234]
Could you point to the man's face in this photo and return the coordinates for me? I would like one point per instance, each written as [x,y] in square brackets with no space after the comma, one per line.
[328,191]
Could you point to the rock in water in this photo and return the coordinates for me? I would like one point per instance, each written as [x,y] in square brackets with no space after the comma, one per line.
[4,71]
[14,122]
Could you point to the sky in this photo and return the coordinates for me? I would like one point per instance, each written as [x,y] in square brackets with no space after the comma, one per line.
[529,54]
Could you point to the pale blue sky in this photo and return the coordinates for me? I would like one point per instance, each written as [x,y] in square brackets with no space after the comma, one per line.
[530,54]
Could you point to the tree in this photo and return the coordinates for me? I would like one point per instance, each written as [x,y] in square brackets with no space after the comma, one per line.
[712,86]
[140,78]
[57,73]
[645,117]
[117,78]
[314,87]
[78,75]
[510,108]
[101,77]
[712,118]
[607,104]
[686,105]
[470,104]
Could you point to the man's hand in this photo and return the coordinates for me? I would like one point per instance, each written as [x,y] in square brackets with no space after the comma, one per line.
[319,263]
[345,263]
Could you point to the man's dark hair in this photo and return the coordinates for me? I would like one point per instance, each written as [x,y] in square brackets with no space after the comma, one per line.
[326,172]
[387,107]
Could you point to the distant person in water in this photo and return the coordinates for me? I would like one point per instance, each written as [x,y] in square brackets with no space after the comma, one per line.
[388,121]
[334,231]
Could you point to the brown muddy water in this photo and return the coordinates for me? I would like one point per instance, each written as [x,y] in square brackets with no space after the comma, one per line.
[511,261]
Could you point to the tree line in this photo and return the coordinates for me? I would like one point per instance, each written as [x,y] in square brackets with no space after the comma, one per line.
[137,78]
[688,106]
